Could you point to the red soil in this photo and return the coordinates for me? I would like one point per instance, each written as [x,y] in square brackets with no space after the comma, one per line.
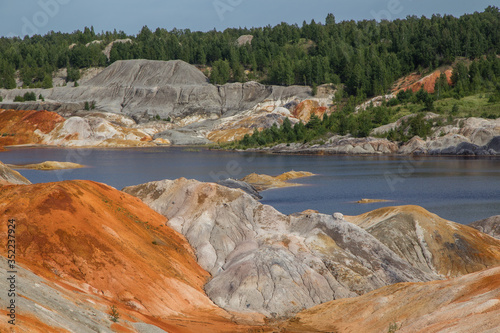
[18,127]
[307,108]
[415,81]
[103,242]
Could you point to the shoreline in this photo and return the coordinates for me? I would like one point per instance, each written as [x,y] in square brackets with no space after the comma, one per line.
[264,151]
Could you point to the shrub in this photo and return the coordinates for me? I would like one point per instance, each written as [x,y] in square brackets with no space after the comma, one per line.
[393,102]
[113,314]
[19,99]
[29,96]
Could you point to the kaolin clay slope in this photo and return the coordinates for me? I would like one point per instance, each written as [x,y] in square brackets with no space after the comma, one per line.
[90,238]
[264,261]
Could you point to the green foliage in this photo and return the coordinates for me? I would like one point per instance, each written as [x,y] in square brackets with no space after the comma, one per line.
[393,327]
[367,56]
[90,106]
[113,314]
[411,127]
[29,96]
[495,97]
[47,81]
[19,99]
[40,97]
[314,89]
[73,74]
[220,72]
[1,99]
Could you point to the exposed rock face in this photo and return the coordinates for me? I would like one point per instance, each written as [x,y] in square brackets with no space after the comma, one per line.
[49,128]
[466,304]
[26,127]
[182,137]
[246,187]
[92,246]
[244,39]
[265,182]
[338,145]
[304,110]
[9,176]
[264,261]
[429,242]
[490,226]
[467,148]
[415,81]
[145,89]
[471,136]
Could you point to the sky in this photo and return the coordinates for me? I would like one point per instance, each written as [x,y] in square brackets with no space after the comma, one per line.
[28,17]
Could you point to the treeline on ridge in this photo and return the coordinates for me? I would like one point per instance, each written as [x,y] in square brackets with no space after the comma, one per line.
[366,56]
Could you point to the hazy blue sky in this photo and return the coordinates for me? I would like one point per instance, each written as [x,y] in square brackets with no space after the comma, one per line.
[19,17]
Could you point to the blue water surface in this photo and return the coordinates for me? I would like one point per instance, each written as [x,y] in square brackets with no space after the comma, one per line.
[459,189]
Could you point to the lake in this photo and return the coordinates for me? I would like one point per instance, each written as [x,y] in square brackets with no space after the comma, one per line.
[459,189]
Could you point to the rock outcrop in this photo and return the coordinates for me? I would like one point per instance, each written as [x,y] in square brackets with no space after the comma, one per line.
[246,187]
[266,182]
[470,303]
[49,128]
[471,136]
[26,127]
[9,176]
[147,90]
[490,226]
[91,247]
[429,242]
[264,261]
[337,145]
[195,112]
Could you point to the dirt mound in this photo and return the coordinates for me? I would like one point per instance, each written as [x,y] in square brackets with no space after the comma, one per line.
[270,263]
[462,305]
[103,243]
[490,226]
[49,165]
[430,242]
[266,182]
[148,73]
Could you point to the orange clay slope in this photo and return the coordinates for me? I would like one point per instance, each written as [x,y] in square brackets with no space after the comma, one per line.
[94,240]
[415,81]
[18,127]
[470,303]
